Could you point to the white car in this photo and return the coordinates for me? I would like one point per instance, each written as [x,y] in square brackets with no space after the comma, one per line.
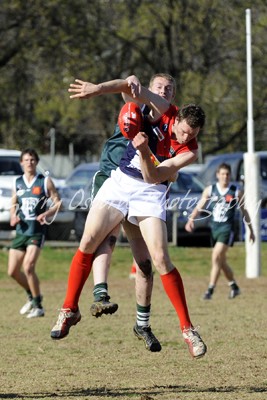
[10,168]
[5,197]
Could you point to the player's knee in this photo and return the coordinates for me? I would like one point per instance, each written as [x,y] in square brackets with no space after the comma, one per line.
[29,268]
[12,274]
[159,260]
[217,257]
[146,267]
[162,263]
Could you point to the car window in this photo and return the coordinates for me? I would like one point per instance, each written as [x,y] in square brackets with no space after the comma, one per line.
[241,172]
[186,182]
[9,166]
[208,175]
[264,168]
[80,178]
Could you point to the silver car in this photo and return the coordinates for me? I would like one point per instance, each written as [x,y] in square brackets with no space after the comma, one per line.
[183,196]
[10,168]
[76,194]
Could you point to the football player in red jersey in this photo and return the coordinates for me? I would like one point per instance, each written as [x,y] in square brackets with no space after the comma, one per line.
[163,85]
[137,189]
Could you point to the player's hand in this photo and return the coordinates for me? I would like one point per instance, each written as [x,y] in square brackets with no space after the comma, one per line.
[135,85]
[42,219]
[14,220]
[83,90]
[140,142]
[252,237]
[189,226]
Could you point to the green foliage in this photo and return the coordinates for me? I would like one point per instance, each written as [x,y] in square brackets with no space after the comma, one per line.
[44,46]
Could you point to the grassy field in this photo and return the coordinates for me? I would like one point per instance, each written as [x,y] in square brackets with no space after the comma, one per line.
[101,358]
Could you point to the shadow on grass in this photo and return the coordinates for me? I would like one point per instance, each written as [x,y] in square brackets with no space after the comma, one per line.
[143,393]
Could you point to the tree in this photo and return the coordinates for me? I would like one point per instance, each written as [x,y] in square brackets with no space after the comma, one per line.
[46,45]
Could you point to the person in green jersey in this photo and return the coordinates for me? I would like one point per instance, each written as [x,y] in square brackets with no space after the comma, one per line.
[30,215]
[222,198]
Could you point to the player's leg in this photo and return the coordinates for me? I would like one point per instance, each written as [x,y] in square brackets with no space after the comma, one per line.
[29,266]
[101,265]
[143,287]
[228,241]
[218,260]
[102,260]
[101,219]
[154,232]
[216,265]
[219,263]
[155,235]
[15,260]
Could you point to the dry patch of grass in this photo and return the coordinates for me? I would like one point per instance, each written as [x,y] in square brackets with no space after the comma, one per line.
[101,358]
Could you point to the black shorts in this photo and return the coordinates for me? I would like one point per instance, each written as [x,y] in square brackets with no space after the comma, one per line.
[222,236]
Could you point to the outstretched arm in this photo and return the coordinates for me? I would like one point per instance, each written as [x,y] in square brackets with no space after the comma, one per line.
[87,90]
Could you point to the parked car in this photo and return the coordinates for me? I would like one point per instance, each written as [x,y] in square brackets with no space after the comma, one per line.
[184,195]
[235,160]
[10,168]
[76,194]
[193,169]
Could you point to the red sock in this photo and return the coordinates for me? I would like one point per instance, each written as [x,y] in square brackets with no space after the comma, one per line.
[133,269]
[173,286]
[79,271]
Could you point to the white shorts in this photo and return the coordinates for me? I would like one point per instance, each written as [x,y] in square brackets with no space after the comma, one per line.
[133,197]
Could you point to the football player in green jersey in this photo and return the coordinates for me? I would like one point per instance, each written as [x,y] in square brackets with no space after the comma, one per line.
[29,214]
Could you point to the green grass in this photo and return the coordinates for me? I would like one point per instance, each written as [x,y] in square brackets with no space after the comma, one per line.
[53,263]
